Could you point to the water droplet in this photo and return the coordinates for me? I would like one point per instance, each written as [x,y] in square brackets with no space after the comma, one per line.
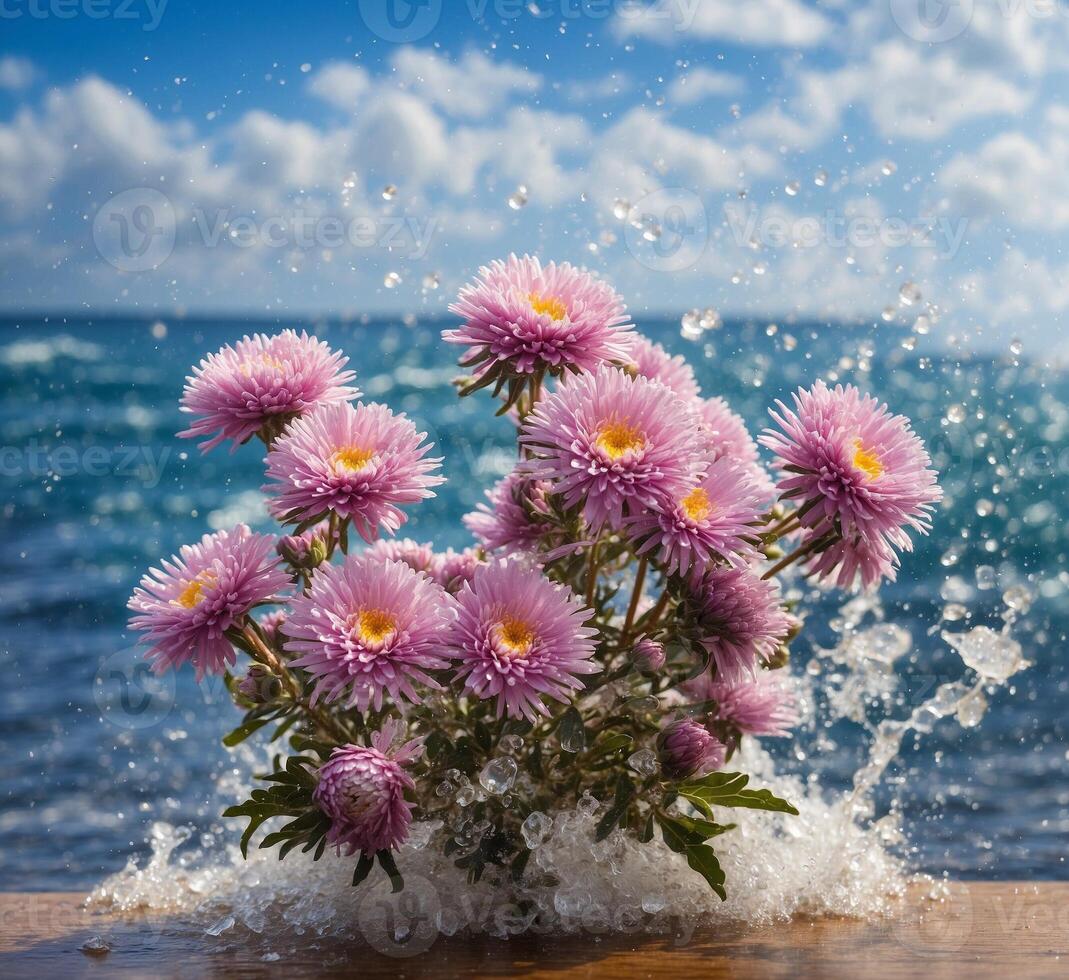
[888,167]
[644,762]
[986,577]
[536,829]
[820,178]
[909,294]
[1018,598]
[992,655]
[498,775]
[888,314]
[389,192]
[1016,346]
[956,414]
[96,946]
[792,188]
[432,281]
[621,208]
[690,325]
[391,280]
[972,709]
[518,198]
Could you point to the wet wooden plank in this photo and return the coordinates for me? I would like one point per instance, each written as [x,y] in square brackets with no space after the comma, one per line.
[1010,930]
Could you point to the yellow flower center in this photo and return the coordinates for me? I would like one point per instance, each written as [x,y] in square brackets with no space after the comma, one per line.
[697,505]
[375,626]
[193,594]
[265,360]
[867,461]
[618,438]
[515,636]
[352,459]
[549,306]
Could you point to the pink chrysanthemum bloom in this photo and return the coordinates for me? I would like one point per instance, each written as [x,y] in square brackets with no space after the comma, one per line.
[272,625]
[260,384]
[359,462]
[420,557]
[711,521]
[854,468]
[362,790]
[521,318]
[520,638]
[761,705]
[367,629]
[613,444]
[652,361]
[186,607]
[648,655]
[456,568]
[741,620]
[511,522]
[726,436]
[686,748]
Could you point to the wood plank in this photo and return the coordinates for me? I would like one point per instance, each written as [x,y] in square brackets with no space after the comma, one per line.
[985,929]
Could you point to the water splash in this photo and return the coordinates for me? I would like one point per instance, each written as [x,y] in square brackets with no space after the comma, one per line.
[837,857]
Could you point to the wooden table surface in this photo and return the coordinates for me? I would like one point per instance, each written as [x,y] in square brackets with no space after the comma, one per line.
[1011,930]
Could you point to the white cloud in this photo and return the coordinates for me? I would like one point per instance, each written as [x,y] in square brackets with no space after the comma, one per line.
[761,23]
[904,93]
[16,73]
[471,88]
[1021,180]
[701,83]
[341,83]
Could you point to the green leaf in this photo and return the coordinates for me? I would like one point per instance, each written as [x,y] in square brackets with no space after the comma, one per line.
[625,793]
[363,868]
[702,858]
[728,789]
[243,731]
[390,867]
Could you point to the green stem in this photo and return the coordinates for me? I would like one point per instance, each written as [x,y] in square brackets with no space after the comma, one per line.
[592,574]
[267,657]
[640,578]
[801,552]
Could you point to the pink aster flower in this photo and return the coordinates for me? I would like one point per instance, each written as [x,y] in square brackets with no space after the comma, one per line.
[512,520]
[520,638]
[456,568]
[308,549]
[760,705]
[652,361]
[613,444]
[741,619]
[856,471]
[521,318]
[359,462]
[186,607]
[725,436]
[687,748]
[420,557]
[260,384]
[362,790]
[711,521]
[367,629]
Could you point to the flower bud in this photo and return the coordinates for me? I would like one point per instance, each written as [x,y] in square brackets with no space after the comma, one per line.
[648,655]
[688,749]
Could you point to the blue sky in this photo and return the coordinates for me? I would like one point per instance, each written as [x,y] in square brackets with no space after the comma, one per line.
[778,158]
